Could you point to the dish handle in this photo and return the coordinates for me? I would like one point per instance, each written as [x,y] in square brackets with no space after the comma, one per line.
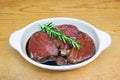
[15,39]
[105,39]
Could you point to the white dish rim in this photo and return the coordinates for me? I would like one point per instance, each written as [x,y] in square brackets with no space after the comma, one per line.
[101,34]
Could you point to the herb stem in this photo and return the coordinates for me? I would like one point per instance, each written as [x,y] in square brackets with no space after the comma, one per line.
[53,33]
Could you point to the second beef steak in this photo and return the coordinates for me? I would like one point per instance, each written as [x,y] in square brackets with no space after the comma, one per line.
[85,52]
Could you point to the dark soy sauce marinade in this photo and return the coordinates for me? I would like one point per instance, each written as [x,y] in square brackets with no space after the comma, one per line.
[52,61]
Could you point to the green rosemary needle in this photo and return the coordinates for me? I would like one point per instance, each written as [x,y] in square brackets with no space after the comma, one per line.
[53,33]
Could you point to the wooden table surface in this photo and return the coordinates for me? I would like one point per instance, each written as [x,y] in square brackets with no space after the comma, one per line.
[16,14]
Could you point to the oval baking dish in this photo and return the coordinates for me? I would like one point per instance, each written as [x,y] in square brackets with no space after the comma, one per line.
[18,40]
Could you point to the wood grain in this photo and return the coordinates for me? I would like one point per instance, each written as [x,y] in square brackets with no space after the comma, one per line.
[16,14]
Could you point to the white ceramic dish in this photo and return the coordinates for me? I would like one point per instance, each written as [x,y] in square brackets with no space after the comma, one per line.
[19,39]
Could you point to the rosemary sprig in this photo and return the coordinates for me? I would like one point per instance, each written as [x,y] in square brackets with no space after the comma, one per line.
[53,33]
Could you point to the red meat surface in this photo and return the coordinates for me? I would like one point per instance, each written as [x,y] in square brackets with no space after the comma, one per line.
[85,52]
[40,46]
